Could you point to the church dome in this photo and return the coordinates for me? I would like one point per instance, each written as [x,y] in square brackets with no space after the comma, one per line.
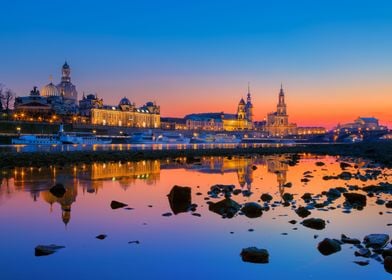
[125,101]
[50,90]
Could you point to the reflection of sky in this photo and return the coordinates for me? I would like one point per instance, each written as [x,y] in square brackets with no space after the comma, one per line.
[196,246]
[201,55]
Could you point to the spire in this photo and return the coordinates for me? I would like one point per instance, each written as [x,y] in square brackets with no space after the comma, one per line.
[50,78]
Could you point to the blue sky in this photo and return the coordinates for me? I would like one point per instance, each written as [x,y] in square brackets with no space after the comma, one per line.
[185,51]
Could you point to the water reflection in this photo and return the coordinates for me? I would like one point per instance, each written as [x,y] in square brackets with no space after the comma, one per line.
[28,206]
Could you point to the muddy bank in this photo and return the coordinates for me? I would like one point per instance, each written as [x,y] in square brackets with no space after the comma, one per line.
[380,152]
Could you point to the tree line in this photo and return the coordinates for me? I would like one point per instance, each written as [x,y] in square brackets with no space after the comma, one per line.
[6,98]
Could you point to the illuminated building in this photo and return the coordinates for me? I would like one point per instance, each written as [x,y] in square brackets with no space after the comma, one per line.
[242,120]
[278,122]
[127,114]
[311,130]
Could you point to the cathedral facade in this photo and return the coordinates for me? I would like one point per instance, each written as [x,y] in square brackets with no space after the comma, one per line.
[278,122]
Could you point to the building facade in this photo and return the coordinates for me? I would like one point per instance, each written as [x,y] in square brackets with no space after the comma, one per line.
[242,120]
[126,114]
[278,122]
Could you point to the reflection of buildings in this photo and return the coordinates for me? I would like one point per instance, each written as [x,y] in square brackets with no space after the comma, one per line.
[242,120]
[277,165]
[65,201]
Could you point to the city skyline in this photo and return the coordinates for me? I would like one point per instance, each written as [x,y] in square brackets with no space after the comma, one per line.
[334,61]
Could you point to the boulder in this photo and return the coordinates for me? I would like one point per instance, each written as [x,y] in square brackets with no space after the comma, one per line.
[307,197]
[227,207]
[287,197]
[329,246]
[355,199]
[45,250]
[376,240]
[101,236]
[116,204]
[266,197]
[345,175]
[363,252]
[320,163]
[302,212]
[58,190]
[344,165]
[180,199]
[388,264]
[314,223]
[333,194]
[252,210]
[388,204]
[349,240]
[255,255]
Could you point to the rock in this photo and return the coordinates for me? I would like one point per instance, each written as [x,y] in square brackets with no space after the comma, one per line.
[302,212]
[266,197]
[288,185]
[355,199]
[388,204]
[314,223]
[363,252]
[134,242]
[329,246]
[287,197]
[255,255]
[254,167]
[227,207]
[306,197]
[345,175]
[305,180]
[252,210]
[388,264]
[45,250]
[344,165]
[58,190]
[116,204]
[380,201]
[180,199]
[387,253]
[101,236]
[362,263]
[196,214]
[333,194]
[375,240]
[348,240]
[293,222]
[319,163]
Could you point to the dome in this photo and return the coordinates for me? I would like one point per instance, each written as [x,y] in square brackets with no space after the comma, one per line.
[149,103]
[50,90]
[124,101]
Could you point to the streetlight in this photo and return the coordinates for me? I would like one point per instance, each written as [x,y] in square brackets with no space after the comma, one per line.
[18,130]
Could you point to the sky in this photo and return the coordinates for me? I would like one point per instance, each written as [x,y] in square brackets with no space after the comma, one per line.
[334,58]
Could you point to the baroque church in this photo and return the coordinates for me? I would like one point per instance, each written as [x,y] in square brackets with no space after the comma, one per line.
[242,120]
[60,99]
[278,122]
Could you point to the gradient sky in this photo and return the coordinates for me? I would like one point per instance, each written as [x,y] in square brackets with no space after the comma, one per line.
[334,58]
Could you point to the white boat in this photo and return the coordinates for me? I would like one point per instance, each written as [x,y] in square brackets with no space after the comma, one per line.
[36,140]
[60,138]
[142,138]
[172,138]
[88,139]
[218,138]
[164,138]
[226,139]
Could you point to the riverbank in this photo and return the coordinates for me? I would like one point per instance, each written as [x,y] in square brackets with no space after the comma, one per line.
[380,152]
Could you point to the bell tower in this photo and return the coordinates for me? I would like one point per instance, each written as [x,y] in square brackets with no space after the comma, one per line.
[66,73]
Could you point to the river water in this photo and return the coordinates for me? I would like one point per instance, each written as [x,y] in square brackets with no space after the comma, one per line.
[197,244]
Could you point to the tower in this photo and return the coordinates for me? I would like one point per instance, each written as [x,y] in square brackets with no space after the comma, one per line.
[241,114]
[66,73]
[249,106]
[281,108]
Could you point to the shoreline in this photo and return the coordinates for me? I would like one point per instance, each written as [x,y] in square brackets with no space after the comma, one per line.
[380,152]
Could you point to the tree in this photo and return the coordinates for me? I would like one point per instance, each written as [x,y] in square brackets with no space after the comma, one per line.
[8,96]
[1,97]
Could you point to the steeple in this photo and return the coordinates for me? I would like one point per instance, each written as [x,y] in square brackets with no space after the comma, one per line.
[248,97]
[281,108]
[66,73]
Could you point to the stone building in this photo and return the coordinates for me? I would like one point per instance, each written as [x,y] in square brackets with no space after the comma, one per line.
[127,114]
[278,122]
